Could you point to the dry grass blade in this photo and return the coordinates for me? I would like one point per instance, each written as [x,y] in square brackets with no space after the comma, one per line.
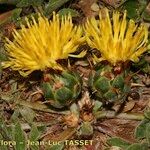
[66,134]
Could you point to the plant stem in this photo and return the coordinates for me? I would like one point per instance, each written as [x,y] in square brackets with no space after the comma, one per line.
[113,114]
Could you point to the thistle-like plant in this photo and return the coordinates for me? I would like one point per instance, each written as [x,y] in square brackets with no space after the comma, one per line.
[119,41]
[39,47]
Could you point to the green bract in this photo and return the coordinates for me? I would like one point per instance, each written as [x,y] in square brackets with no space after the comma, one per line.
[108,86]
[62,89]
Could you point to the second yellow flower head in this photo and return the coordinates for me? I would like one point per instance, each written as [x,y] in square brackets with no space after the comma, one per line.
[118,40]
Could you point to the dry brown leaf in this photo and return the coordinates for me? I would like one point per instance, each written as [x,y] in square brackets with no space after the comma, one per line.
[62,136]
[87,7]
[129,106]
[5,15]
[99,140]
[113,3]
[120,128]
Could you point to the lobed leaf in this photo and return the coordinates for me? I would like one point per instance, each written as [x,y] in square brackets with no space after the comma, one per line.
[53,5]
[118,142]
[66,11]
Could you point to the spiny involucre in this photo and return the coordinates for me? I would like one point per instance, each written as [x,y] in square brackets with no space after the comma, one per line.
[42,43]
[118,40]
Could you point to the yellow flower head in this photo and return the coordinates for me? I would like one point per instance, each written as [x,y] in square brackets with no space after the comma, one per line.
[42,43]
[118,40]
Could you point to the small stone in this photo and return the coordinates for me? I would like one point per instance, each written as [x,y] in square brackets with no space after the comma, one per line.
[95,7]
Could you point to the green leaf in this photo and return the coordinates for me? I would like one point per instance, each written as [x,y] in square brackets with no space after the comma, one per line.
[102,84]
[15,115]
[19,137]
[142,5]
[75,109]
[86,129]
[16,14]
[68,79]
[97,106]
[110,95]
[3,57]
[53,5]
[143,65]
[147,114]
[137,146]
[47,90]
[34,135]
[26,3]
[141,129]
[66,11]
[63,95]
[131,6]
[118,82]
[135,8]
[27,113]
[72,81]
[148,133]
[118,142]
[126,89]
[11,2]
